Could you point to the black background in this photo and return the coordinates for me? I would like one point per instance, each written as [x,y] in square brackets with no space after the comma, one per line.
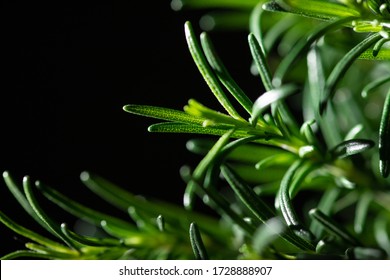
[69,68]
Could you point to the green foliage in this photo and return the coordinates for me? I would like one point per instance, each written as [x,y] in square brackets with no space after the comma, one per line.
[268,168]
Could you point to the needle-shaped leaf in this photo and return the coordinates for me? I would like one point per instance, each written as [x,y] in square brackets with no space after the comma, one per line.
[312,95]
[317,9]
[342,66]
[332,226]
[197,109]
[197,243]
[174,127]
[362,207]
[377,47]
[246,194]
[258,207]
[51,254]
[326,205]
[123,199]
[22,254]
[222,73]
[351,147]
[267,233]
[90,241]
[354,131]
[269,97]
[301,47]
[163,114]
[261,62]
[384,139]
[79,210]
[50,225]
[384,55]
[250,153]
[206,70]
[308,133]
[160,221]
[373,85]
[381,232]
[202,168]
[255,22]
[281,159]
[32,235]
[20,197]
[288,187]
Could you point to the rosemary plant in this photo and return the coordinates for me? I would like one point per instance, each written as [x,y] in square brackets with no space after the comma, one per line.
[301,172]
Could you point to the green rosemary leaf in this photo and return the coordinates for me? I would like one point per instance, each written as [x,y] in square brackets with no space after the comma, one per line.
[353,132]
[384,139]
[288,187]
[81,211]
[267,233]
[362,211]
[303,45]
[351,147]
[208,130]
[330,245]
[222,73]
[163,114]
[332,227]
[269,97]
[317,9]
[116,232]
[373,85]
[90,241]
[325,204]
[206,71]
[377,47]
[308,133]
[342,66]
[384,54]
[197,243]
[20,197]
[15,227]
[50,225]
[144,221]
[255,23]
[185,128]
[200,171]
[172,213]
[273,6]
[246,194]
[258,207]
[211,116]
[282,159]
[381,232]
[49,252]
[223,207]
[248,153]
[311,98]
[287,119]
[160,221]
[366,27]
[22,254]
[261,62]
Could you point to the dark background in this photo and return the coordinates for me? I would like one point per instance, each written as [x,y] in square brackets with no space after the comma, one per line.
[68,69]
